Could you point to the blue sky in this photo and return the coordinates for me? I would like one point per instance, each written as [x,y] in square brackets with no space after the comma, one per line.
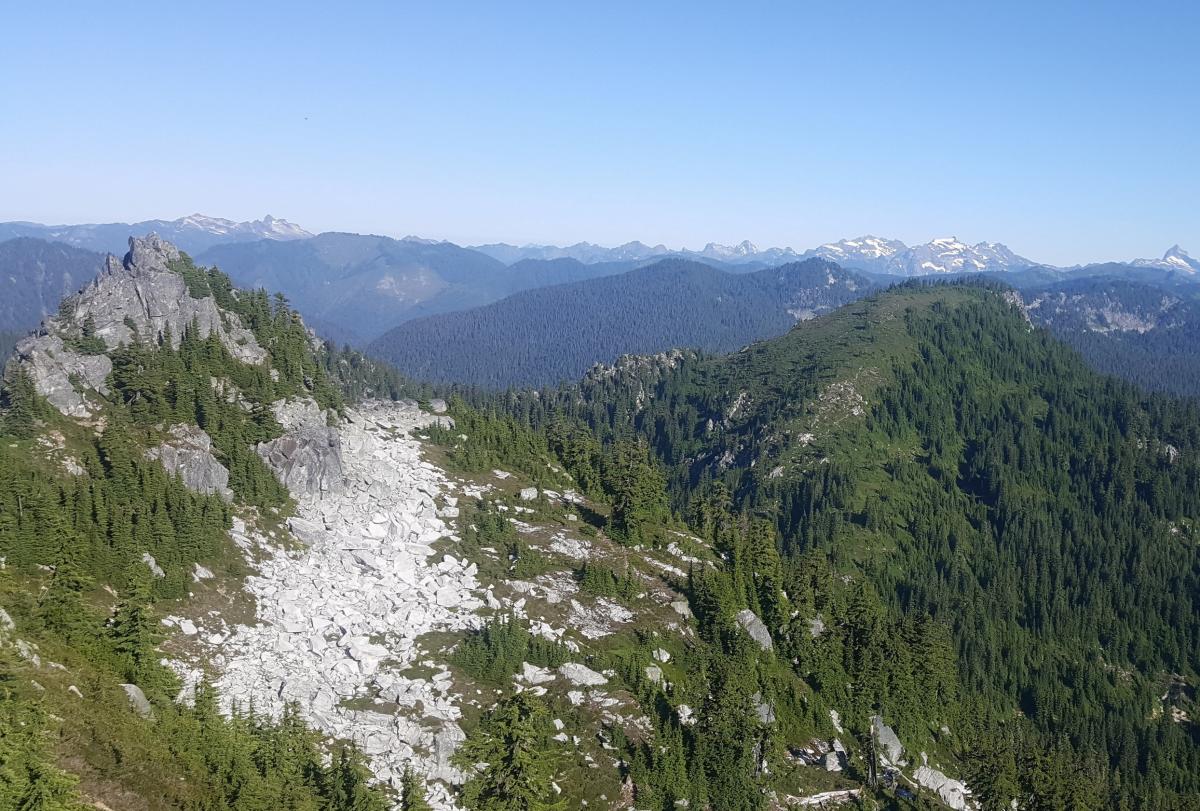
[1069,131]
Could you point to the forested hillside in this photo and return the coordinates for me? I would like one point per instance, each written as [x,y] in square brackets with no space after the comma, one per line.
[545,336]
[933,446]
[35,275]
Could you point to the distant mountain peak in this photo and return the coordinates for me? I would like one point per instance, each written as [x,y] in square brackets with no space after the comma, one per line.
[939,255]
[1176,253]
[1175,258]
[742,249]
[267,228]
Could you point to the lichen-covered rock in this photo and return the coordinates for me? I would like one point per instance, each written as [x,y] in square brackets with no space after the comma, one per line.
[753,626]
[188,455]
[308,458]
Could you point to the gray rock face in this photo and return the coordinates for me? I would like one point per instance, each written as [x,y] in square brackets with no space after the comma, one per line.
[764,709]
[152,565]
[142,290]
[56,369]
[954,793]
[307,532]
[888,741]
[138,700]
[189,455]
[308,458]
[138,293]
[753,626]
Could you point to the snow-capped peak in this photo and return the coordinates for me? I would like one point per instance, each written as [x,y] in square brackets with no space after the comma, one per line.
[868,249]
[743,248]
[266,228]
[940,255]
[1179,258]
[1176,258]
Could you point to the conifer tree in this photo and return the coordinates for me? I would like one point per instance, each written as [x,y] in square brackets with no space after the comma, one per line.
[513,742]
[412,795]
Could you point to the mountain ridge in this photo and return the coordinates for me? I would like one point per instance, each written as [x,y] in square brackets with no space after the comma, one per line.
[550,334]
[193,233]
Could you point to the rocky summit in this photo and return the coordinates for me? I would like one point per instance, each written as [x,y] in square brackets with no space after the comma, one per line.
[138,296]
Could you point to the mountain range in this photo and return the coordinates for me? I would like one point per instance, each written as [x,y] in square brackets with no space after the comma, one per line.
[1137,322]
[435,297]
[872,254]
[192,234]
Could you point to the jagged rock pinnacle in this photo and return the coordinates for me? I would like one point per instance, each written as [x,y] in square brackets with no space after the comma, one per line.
[139,298]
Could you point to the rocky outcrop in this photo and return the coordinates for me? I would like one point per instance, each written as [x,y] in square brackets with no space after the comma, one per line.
[143,293]
[954,793]
[138,700]
[308,457]
[139,297]
[888,741]
[752,625]
[188,455]
[60,374]
[581,675]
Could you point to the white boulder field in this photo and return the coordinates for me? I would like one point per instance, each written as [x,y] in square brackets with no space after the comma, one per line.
[338,621]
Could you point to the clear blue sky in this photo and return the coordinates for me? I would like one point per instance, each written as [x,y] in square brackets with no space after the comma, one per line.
[1070,131]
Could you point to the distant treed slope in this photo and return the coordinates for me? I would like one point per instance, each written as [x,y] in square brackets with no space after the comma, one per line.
[355,287]
[552,334]
[1148,334]
[35,275]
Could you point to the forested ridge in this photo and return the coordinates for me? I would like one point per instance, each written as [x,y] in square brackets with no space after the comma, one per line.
[964,466]
[551,334]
